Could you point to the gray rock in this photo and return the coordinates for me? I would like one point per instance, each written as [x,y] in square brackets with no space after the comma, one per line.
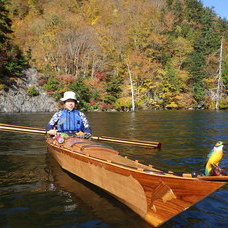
[17,99]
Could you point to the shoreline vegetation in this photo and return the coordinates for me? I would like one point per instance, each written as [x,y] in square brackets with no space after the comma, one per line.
[116,55]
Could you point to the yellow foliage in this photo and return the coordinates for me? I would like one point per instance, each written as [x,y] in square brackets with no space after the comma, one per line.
[223,104]
[172,105]
[17,24]
[182,47]
[210,83]
[126,90]
[161,72]
[92,12]
[183,76]
[2,86]
[94,21]
[76,37]
[123,102]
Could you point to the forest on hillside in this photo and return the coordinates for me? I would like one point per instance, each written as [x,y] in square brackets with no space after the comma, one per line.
[118,54]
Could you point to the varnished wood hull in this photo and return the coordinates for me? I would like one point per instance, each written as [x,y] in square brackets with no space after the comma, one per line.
[154,195]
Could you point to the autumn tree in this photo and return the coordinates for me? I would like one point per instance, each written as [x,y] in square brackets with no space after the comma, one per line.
[163,51]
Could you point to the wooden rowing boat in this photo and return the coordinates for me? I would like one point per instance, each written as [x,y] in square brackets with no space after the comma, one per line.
[154,195]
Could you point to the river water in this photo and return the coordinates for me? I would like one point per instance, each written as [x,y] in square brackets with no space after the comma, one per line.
[35,192]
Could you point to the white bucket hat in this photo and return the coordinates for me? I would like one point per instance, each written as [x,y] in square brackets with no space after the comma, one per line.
[69,95]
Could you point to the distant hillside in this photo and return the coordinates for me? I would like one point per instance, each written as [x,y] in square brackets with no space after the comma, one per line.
[149,54]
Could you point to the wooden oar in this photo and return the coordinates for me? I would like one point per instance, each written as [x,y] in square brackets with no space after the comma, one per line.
[128,141]
[18,126]
[27,130]
[39,131]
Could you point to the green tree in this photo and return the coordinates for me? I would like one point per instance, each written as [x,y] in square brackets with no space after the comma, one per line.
[16,62]
[178,11]
[208,39]
[5,30]
[12,61]
[194,10]
[113,90]
[5,22]
[196,68]
[82,92]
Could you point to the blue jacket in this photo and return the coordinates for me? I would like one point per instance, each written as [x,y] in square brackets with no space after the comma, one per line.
[70,121]
[66,120]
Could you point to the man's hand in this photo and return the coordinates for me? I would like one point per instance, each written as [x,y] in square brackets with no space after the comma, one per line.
[80,133]
[52,132]
[83,135]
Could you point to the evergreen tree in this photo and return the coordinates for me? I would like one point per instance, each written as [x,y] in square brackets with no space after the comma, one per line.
[178,11]
[196,68]
[113,90]
[5,23]
[194,10]
[12,61]
[208,40]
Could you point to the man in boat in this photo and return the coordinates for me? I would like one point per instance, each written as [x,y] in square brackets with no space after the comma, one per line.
[69,120]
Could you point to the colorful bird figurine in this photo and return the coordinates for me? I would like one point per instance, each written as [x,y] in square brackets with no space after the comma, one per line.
[214,157]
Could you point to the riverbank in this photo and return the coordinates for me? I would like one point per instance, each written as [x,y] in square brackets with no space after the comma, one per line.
[17,97]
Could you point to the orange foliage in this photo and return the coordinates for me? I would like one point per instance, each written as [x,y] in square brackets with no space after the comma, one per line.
[184,100]
[66,79]
[96,85]
[169,21]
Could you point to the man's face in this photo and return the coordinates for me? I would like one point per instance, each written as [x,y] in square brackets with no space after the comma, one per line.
[70,104]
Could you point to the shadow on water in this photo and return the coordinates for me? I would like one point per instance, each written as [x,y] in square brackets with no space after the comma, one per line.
[35,192]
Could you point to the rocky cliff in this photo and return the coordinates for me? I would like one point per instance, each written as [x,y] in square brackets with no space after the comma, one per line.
[17,99]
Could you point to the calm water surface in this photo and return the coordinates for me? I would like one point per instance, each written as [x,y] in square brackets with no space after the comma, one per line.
[35,192]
